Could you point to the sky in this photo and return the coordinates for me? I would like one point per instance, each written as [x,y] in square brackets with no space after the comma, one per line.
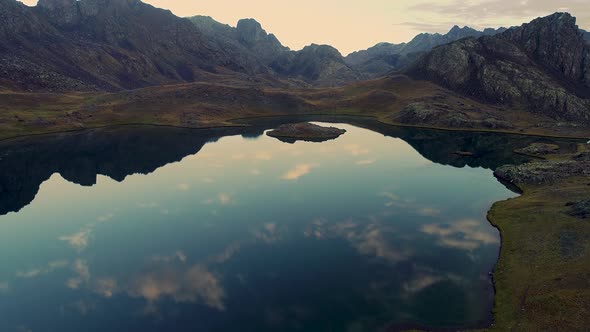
[351,25]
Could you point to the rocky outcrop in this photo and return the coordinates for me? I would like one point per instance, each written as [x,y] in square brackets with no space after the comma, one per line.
[305,131]
[540,67]
[555,43]
[442,115]
[538,173]
[385,57]
[539,149]
[580,209]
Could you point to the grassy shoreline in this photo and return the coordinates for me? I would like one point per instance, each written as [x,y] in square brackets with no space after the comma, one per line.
[542,277]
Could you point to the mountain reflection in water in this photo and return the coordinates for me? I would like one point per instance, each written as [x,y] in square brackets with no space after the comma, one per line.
[249,233]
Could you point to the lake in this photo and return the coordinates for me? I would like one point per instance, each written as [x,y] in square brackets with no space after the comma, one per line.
[162,229]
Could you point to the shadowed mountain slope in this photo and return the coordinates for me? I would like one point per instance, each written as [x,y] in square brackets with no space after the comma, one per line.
[88,45]
[63,45]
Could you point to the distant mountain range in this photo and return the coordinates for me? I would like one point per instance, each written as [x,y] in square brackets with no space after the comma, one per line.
[113,45]
[385,57]
[88,45]
[69,45]
[315,64]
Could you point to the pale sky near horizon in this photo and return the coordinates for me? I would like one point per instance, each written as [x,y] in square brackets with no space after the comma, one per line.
[350,25]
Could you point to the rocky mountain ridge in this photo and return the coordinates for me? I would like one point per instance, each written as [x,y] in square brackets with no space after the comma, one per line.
[385,57]
[65,45]
[541,67]
[111,45]
[320,65]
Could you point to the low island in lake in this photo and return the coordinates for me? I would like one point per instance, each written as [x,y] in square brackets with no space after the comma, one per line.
[305,131]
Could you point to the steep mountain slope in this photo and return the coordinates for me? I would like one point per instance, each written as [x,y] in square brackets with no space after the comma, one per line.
[87,45]
[542,67]
[104,44]
[320,65]
[385,57]
[586,35]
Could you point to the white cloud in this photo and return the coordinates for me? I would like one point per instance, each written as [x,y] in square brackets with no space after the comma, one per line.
[39,271]
[105,218]
[263,155]
[298,172]
[420,283]
[80,267]
[366,162]
[464,234]
[106,287]
[392,199]
[370,240]
[147,205]
[355,149]
[224,198]
[488,13]
[268,233]
[428,212]
[80,240]
[178,255]
[196,284]
[183,187]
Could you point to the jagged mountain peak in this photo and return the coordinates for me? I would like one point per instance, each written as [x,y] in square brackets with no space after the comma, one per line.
[555,41]
[322,49]
[251,34]
[314,64]
[457,28]
[542,67]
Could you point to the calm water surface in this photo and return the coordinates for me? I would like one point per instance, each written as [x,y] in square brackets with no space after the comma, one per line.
[246,233]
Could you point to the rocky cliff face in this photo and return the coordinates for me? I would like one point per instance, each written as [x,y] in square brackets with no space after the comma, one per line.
[555,43]
[385,57]
[541,67]
[257,40]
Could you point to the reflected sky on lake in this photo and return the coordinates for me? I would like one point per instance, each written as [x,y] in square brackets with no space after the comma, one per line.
[251,234]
